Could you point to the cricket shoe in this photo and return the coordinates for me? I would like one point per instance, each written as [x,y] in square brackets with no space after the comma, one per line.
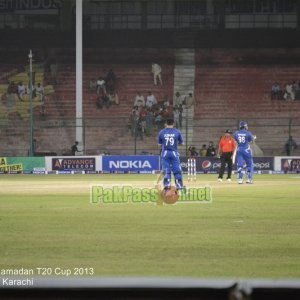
[228,179]
[249,181]
[240,181]
[220,179]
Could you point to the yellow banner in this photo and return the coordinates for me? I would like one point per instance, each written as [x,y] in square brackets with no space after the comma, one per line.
[3,161]
[11,168]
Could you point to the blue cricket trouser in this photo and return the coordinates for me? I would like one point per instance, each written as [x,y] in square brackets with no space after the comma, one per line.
[244,155]
[171,163]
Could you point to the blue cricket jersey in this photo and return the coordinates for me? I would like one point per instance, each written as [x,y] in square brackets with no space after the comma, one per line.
[170,138]
[243,138]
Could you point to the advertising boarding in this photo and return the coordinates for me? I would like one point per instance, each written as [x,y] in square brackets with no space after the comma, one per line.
[213,164]
[130,164]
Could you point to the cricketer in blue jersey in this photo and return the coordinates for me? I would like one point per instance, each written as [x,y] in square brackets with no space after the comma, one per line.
[169,138]
[244,155]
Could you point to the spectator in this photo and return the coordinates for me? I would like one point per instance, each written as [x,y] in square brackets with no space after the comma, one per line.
[34,146]
[192,151]
[158,117]
[290,146]
[294,88]
[111,81]
[211,150]
[149,122]
[276,92]
[133,120]
[177,100]
[203,150]
[100,85]
[93,85]
[139,100]
[12,88]
[151,100]
[143,114]
[156,70]
[159,121]
[167,112]
[176,117]
[103,100]
[139,129]
[21,91]
[166,101]
[74,148]
[113,98]
[189,101]
[289,92]
[136,110]
[135,125]
[40,92]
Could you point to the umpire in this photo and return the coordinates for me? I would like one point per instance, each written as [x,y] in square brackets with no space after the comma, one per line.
[226,148]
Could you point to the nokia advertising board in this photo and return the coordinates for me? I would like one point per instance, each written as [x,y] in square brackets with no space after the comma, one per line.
[134,164]
[213,164]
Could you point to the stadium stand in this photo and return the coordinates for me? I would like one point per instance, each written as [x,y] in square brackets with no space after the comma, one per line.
[229,83]
[235,84]
[133,70]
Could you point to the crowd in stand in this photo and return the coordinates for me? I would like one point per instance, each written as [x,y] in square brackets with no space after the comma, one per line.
[204,151]
[291,91]
[149,113]
[21,90]
[105,88]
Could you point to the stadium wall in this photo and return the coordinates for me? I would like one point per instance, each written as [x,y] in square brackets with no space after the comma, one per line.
[142,164]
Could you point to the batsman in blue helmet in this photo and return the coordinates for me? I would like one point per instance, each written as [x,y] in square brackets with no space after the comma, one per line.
[169,139]
[244,157]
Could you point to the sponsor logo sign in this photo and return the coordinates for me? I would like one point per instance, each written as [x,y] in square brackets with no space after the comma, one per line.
[140,163]
[20,164]
[6,167]
[290,165]
[213,164]
[74,164]
[263,163]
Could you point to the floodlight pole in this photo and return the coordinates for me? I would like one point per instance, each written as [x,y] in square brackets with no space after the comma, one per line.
[30,106]
[79,93]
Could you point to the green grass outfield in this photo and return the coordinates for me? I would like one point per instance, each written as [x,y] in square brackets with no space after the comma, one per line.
[248,231]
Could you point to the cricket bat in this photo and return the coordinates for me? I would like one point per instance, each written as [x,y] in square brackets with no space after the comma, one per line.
[234,155]
[161,176]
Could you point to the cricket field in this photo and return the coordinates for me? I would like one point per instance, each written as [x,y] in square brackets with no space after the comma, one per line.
[246,231]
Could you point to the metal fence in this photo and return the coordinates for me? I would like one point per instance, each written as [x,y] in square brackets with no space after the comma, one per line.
[119,136]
